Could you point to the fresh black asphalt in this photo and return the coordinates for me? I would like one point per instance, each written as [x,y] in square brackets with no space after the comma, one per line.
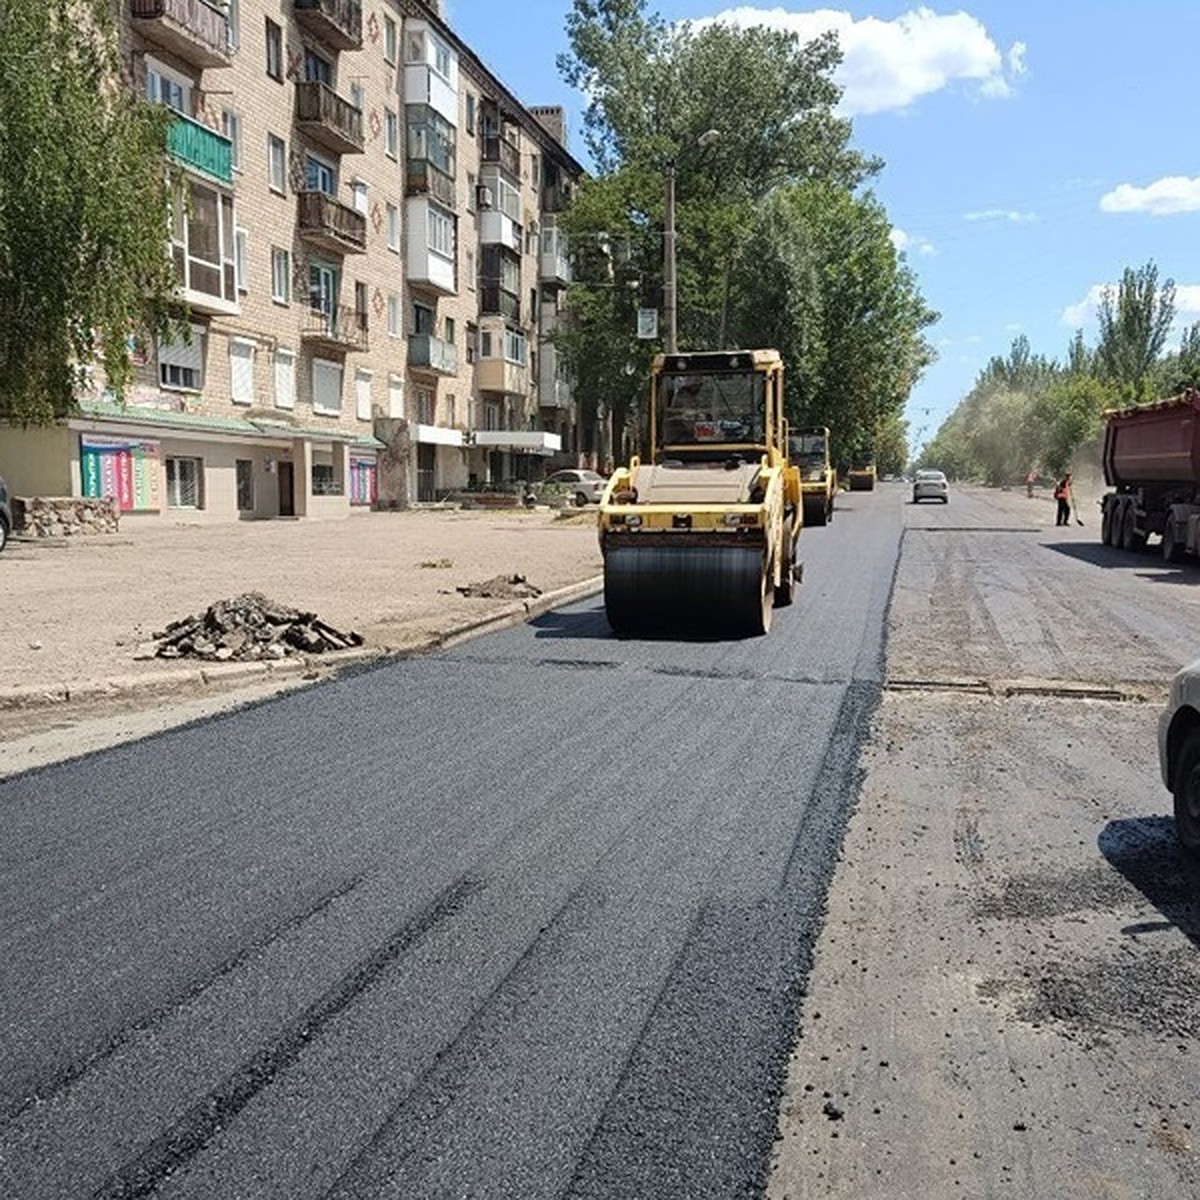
[528,918]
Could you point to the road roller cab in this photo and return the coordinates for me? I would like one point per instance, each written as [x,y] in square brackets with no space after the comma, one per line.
[703,533]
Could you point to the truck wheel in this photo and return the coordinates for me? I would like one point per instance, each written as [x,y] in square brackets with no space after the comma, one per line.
[1187,796]
[1131,539]
[1172,551]
[1106,523]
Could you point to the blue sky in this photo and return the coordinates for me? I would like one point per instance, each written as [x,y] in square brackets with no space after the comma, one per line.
[1033,149]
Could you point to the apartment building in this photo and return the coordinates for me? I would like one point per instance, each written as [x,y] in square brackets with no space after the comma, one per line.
[369,253]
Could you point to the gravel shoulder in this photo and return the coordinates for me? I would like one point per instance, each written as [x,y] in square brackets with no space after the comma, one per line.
[1002,999]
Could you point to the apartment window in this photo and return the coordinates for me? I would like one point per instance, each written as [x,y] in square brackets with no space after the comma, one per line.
[164,86]
[241,371]
[327,387]
[423,319]
[240,261]
[360,303]
[414,48]
[277,164]
[441,233]
[325,481]
[389,40]
[281,275]
[449,337]
[362,395]
[285,378]
[393,315]
[451,410]
[184,476]
[470,270]
[361,196]
[317,69]
[274,51]
[491,415]
[391,127]
[535,170]
[245,484]
[514,346]
[357,97]
[181,365]
[395,395]
[485,344]
[442,61]
[319,175]
[470,115]
[233,14]
[472,338]
[231,127]
[425,408]
[393,226]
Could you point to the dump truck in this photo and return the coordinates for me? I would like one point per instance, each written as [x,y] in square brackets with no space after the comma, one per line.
[808,448]
[1152,460]
[704,532]
[861,479]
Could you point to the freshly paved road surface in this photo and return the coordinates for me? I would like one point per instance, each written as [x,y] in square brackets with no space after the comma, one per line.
[530,918]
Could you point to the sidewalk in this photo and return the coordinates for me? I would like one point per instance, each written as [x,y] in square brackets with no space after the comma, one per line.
[75,611]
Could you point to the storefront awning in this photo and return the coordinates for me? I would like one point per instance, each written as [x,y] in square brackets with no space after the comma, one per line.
[526,441]
[436,435]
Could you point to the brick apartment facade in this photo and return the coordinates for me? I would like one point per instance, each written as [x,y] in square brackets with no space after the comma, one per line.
[370,255]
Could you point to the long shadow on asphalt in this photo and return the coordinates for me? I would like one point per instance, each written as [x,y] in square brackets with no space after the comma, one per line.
[1097,554]
[592,625]
[1144,850]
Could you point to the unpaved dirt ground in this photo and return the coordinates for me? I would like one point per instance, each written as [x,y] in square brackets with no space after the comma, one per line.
[75,611]
[1003,1001]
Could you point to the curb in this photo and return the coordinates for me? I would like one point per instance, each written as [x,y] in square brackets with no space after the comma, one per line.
[229,676]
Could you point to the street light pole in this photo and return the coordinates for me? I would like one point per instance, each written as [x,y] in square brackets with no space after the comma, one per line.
[669,306]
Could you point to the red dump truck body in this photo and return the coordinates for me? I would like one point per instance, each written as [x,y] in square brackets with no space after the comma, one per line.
[1152,459]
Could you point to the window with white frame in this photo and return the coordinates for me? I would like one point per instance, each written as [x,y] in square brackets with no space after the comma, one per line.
[358,96]
[274,37]
[485,344]
[203,243]
[396,395]
[362,394]
[241,370]
[233,15]
[361,196]
[470,270]
[241,260]
[393,226]
[326,473]
[389,40]
[326,387]
[277,164]
[185,478]
[440,232]
[393,315]
[414,47]
[514,346]
[181,365]
[285,378]
[470,123]
[320,175]
[231,127]
[281,275]
[391,129]
[443,60]
[472,341]
[507,198]
[164,86]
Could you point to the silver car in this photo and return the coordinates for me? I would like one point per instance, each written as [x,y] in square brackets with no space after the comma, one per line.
[1179,755]
[5,515]
[586,486]
[930,485]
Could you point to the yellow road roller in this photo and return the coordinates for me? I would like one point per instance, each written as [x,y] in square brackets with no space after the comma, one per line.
[809,450]
[703,535]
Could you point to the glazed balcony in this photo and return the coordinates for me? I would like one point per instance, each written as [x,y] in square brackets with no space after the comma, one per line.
[329,119]
[554,263]
[333,226]
[338,23]
[194,30]
[499,150]
[426,352]
[339,329]
[556,197]
[424,179]
[494,300]
[200,149]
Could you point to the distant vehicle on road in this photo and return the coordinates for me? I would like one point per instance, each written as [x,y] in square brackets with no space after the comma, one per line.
[930,485]
[1179,755]
[586,486]
[6,519]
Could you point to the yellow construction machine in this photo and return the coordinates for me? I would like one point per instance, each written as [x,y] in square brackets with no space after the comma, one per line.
[704,533]
[809,449]
[862,478]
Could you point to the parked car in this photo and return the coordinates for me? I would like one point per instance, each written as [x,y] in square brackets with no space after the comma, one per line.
[1179,755]
[6,518]
[586,486]
[930,485]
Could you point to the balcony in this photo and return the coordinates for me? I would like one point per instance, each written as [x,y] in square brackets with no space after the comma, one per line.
[338,23]
[424,179]
[331,225]
[556,197]
[499,150]
[499,229]
[195,31]
[495,301]
[554,266]
[329,119]
[340,329]
[500,375]
[553,390]
[426,352]
[200,149]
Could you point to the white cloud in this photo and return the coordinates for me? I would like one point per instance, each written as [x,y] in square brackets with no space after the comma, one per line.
[1011,215]
[888,65]
[910,242]
[1162,198]
[1187,305]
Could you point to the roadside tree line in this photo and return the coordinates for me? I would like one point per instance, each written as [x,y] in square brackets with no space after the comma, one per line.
[1028,412]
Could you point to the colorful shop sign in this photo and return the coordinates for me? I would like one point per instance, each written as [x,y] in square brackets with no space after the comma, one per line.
[127,469]
[364,485]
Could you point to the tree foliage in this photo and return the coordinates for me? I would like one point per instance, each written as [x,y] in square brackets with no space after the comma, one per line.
[83,207]
[1135,320]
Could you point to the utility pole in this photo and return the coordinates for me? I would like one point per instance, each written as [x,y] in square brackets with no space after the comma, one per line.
[669,321]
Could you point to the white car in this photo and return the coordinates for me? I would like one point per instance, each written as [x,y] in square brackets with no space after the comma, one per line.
[586,486]
[930,485]
[1179,755]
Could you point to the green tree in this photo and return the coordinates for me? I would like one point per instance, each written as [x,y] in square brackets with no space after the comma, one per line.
[84,197]
[1134,322]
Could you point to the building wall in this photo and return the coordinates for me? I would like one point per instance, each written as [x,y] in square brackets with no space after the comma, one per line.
[36,462]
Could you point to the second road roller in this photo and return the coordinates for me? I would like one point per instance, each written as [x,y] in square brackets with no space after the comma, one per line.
[703,535]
